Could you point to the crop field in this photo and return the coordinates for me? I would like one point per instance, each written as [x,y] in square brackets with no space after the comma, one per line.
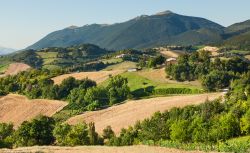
[112,60]
[154,78]
[159,76]
[170,53]
[99,76]
[17,108]
[124,115]
[15,68]
[121,66]
[242,52]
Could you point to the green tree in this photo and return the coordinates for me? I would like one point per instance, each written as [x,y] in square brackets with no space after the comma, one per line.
[6,132]
[108,133]
[118,89]
[60,133]
[245,123]
[39,131]
[78,135]
[179,131]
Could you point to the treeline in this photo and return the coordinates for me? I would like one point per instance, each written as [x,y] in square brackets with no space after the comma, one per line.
[213,74]
[45,131]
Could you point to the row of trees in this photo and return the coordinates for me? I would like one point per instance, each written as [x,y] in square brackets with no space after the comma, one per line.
[45,131]
[214,74]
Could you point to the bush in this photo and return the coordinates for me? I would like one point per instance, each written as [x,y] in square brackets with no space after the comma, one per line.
[169,91]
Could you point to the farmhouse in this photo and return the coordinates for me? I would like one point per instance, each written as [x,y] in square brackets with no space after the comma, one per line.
[120,56]
[132,69]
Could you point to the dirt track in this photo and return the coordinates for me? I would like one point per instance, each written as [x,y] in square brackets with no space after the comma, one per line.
[15,68]
[97,149]
[124,115]
[99,76]
[16,108]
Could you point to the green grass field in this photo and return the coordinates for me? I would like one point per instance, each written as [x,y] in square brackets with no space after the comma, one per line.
[4,64]
[121,66]
[136,82]
[112,60]
[242,52]
[48,58]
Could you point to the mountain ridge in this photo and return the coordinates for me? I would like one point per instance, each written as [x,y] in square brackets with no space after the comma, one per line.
[156,29]
[4,50]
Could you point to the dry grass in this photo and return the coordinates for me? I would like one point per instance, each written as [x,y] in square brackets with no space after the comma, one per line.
[124,115]
[121,66]
[212,50]
[99,76]
[16,108]
[248,57]
[170,53]
[15,68]
[96,149]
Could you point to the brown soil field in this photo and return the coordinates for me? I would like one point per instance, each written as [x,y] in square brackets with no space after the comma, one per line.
[213,50]
[159,75]
[170,53]
[124,115]
[99,76]
[15,68]
[96,149]
[248,57]
[16,108]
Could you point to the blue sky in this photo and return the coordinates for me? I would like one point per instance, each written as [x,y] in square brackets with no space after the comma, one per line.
[24,22]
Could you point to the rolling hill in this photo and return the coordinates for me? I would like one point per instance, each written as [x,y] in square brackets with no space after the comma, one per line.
[239,35]
[57,57]
[141,32]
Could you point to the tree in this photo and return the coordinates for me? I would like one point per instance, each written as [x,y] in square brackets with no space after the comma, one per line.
[66,86]
[39,131]
[118,89]
[96,97]
[6,132]
[94,139]
[61,132]
[78,135]
[245,123]
[179,131]
[108,133]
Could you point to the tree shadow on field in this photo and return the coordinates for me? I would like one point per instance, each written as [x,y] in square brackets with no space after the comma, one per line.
[143,92]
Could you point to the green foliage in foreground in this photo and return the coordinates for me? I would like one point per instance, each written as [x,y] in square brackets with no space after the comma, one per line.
[214,75]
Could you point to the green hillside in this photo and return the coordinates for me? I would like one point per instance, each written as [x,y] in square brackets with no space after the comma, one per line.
[58,57]
[141,32]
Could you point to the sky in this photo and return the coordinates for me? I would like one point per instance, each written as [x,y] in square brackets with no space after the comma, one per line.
[24,22]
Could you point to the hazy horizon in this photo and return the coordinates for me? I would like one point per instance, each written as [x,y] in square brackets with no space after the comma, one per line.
[26,22]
